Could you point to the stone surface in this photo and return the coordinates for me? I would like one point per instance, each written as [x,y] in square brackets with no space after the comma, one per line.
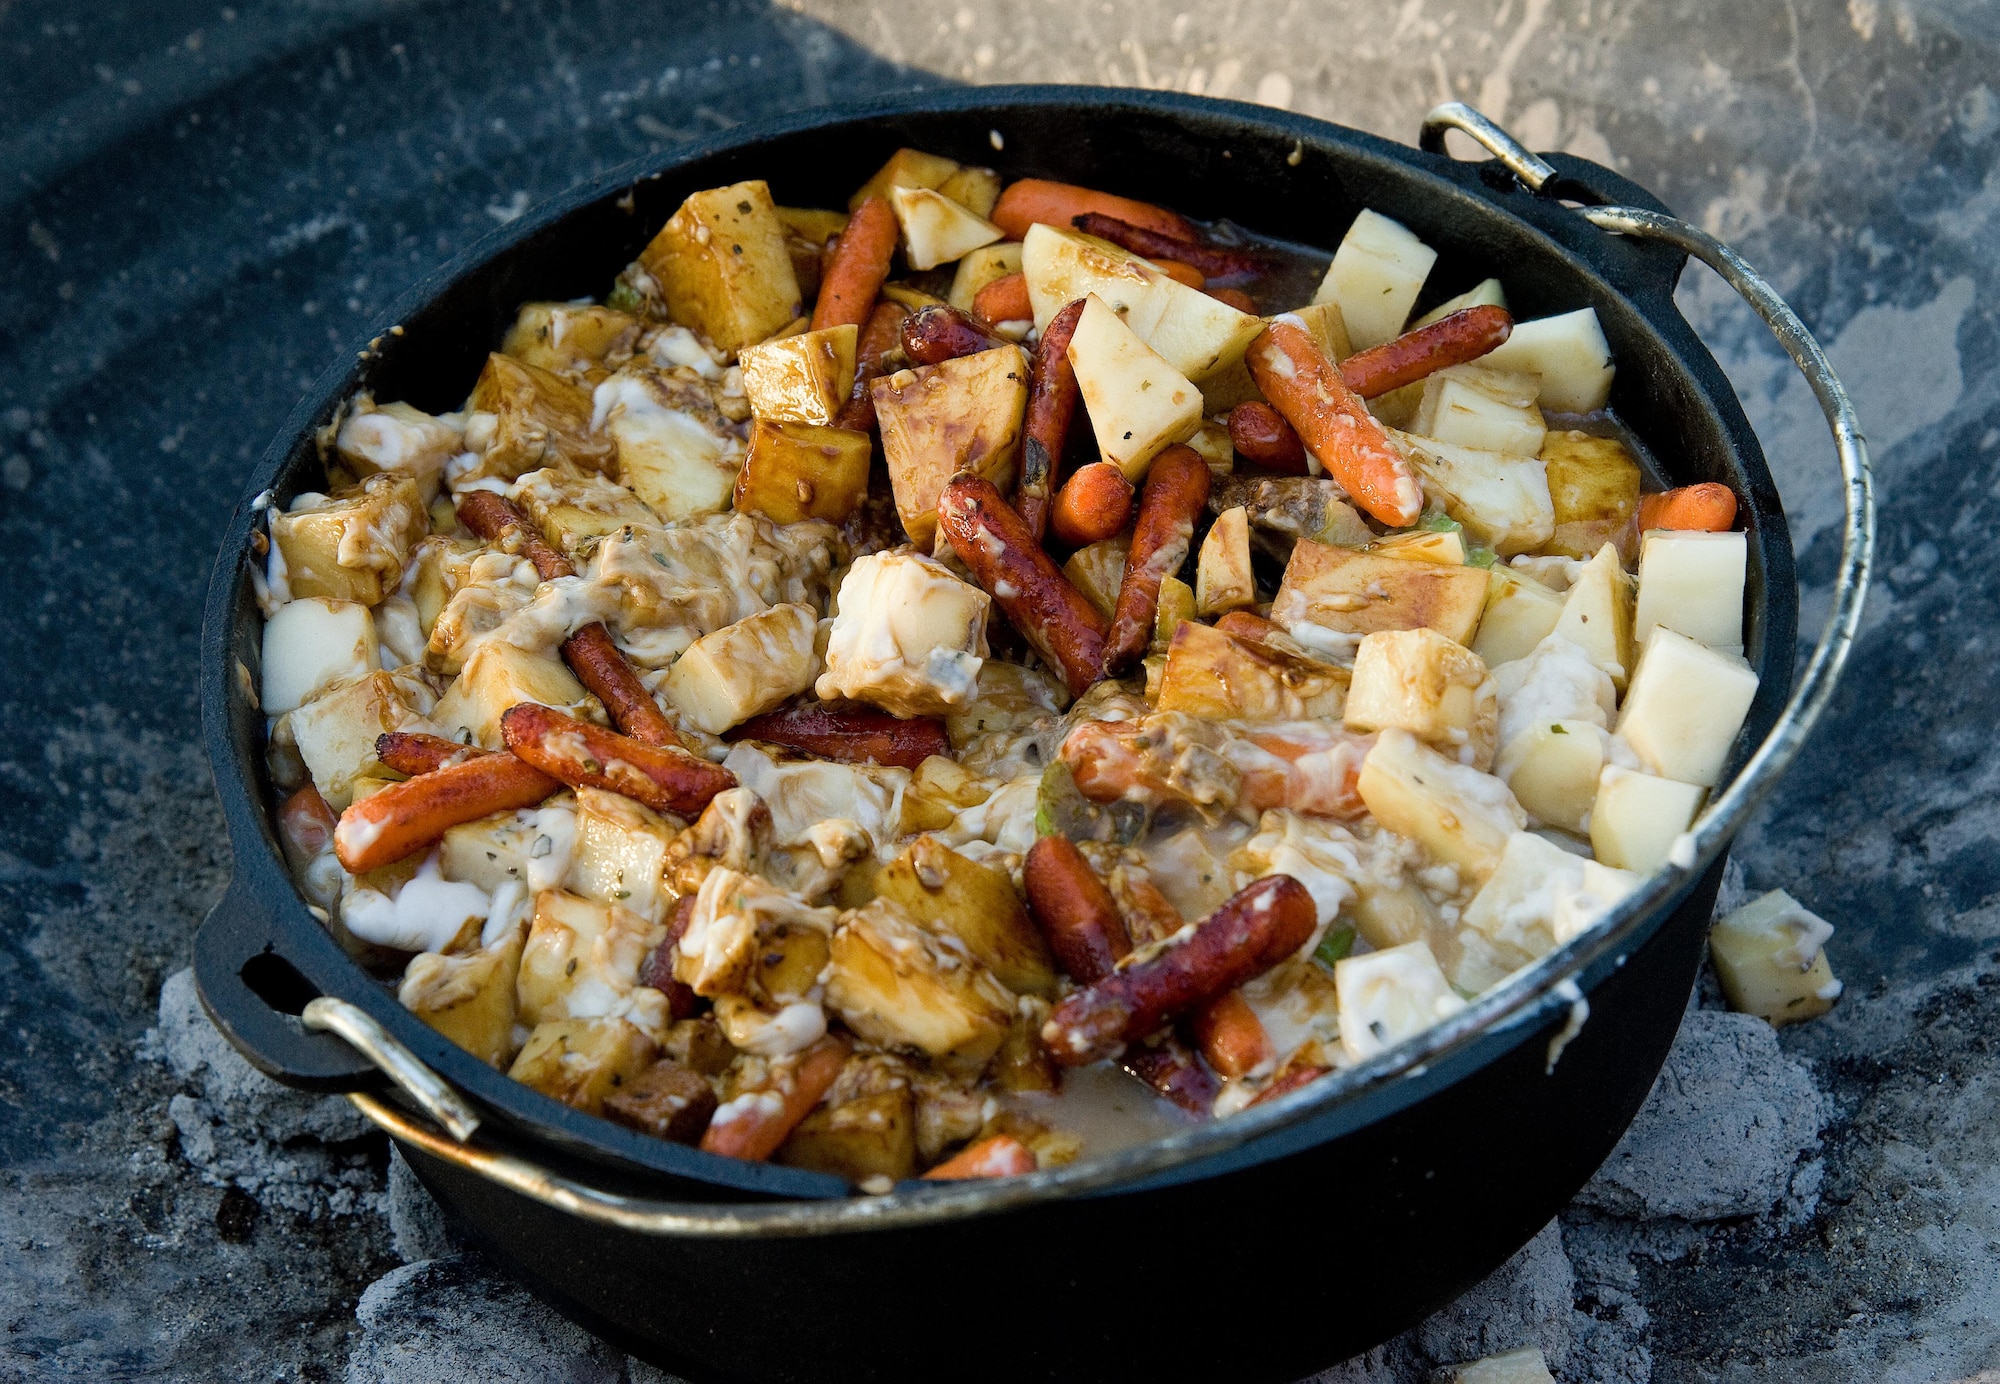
[451,1319]
[204,207]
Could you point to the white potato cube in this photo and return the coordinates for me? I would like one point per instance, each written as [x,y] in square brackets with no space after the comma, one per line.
[1485,293]
[1443,548]
[975,189]
[1062,265]
[729,676]
[1198,335]
[498,676]
[311,644]
[1597,614]
[800,379]
[909,637]
[575,508]
[980,268]
[1433,687]
[1556,682]
[1569,354]
[1461,816]
[675,451]
[906,168]
[1376,275]
[620,853]
[937,230]
[336,731]
[1388,996]
[527,850]
[351,546]
[1502,500]
[1685,707]
[1520,613]
[900,985]
[1581,904]
[1223,581]
[1525,1366]
[571,338]
[1473,406]
[1138,403]
[582,958]
[1770,956]
[1692,583]
[1327,328]
[1636,817]
[1514,907]
[396,439]
[1553,769]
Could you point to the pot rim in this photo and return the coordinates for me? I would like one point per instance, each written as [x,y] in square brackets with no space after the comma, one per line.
[1530,997]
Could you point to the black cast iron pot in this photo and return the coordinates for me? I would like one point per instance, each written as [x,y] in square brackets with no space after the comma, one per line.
[1258,1248]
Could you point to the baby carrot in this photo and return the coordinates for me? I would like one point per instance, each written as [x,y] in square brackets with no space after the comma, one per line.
[1709,507]
[1232,1037]
[1001,1156]
[859,265]
[754,1123]
[1004,300]
[1181,273]
[1059,204]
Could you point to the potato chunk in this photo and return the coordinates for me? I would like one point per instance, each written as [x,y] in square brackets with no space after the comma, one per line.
[909,637]
[1486,291]
[906,168]
[729,676]
[1692,583]
[1139,404]
[1770,956]
[1552,768]
[980,268]
[572,338]
[1098,571]
[581,1061]
[1388,996]
[1635,818]
[1597,614]
[1346,592]
[310,645]
[939,420]
[620,853]
[497,676]
[1436,689]
[1375,277]
[583,958]
[1568,353]
[1502,500]
[896,983]
[336,731]
[675,449]
[976,904]
[722,265]
[1520,612]
[1686,705]
[398,440]
[529,848]
[866,1136]
[574,509]
[1461,816]
[800,379]
[470,998]
[352,547]
[1524,1366]
[1215,675]
[937,230]
[667,1100]
[540,419]
[1472,406]
[1594,486]
[795,471]
[1223,580]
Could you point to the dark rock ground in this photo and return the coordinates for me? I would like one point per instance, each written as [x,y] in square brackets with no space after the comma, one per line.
[203,206]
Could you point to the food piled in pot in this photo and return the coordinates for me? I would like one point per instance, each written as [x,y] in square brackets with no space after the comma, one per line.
[988,675]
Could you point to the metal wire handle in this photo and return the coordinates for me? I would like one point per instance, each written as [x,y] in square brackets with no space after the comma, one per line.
[1535,992]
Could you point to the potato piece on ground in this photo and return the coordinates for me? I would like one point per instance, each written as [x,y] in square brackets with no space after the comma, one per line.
[1770,955]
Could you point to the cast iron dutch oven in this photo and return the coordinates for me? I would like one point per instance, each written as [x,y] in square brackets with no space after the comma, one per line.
[1257,1248]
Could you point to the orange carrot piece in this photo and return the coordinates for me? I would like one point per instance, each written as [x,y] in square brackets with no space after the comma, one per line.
[859,264]
[1001,1156]
[1181,273]
[406,817]
[1232,1037]
[305,825]
[752,1125]
[1059,204]
[1004,300]
[1092,505]
[586,756]
[1330,418]
[1709,507]
[878,338]
[1289,1082]
[1235,297]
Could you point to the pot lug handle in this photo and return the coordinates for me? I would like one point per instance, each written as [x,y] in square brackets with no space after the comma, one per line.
[328,1014]
[254,995]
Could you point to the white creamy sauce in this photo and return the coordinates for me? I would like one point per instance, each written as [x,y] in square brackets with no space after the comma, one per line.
[424,915]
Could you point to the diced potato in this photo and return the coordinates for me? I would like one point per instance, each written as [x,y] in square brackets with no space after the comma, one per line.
[738,919]
[1692,583]
[1398,408]
[1138,403]
[1446,547]
[1524,1366]
[976,904]
[470,998]
[1433,687]
[1211,443]
[1461,816]
[352,547]
[1327,328]
[1770,956]
[1390,913]
[1473,406]
[975,189]
[729,676]
[397,440]
[1348,592]
[813,223]
[1010,697]
[900,985]
[905,168]
[498,676]
[1582,903]
[442,566]
[960,415]
[800,379]
[1685,707]
[869,1136]
[581,957]
[529,848]
[1597,614]
[336,731]
[1284,509]
[1098,570]
[937,230]
[620,854]
[1520,613]
[795,471]
[1199,337]
[570,338]
[1223,581]
[1503,501]
[1389,996]
[1570,355]
[1487,292]
[1514,909]
[1636,817]
[1552,768]
[675,451]
[311,644]
[1594,486]
[574,509]
[981,267]
[909,637]
[1176,605]
[474,611]
[1227,388]
[1023,1062]
[1375,277]
[1219,677]
[721,262]
[540,419]
[667,1100]
[581,1061]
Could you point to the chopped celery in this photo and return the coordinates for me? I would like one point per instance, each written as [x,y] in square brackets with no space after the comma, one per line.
[1337,943]
[1478,557]
[1437,521]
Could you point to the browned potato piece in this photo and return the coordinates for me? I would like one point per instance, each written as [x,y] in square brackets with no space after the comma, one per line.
[575,508]
[541,419]
[1098,571]
[1023,1063]
[1358,593]
[353,547]
[1594,485]
[443,565]
[722,264]
[469,999]
[960,415]
[869,1136]
[571,337]
[948,893]
[906,168]
[700,1043]
[803,378]
[667,1101]
[581,1061]
[796,471]
[1215,675]
[898,984]
[620,853]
